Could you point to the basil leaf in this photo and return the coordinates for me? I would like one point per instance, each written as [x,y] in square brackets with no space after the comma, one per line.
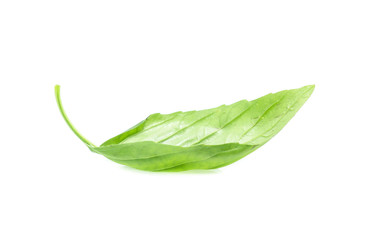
[205,139]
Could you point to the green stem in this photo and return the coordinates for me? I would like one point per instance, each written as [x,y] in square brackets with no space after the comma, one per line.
[58,97]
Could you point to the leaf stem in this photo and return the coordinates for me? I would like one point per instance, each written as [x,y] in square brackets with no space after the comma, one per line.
[58,97]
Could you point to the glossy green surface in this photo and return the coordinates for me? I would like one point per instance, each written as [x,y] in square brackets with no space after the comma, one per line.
[205,139]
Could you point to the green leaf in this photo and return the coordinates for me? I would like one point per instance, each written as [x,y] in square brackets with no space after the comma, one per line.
[205,139]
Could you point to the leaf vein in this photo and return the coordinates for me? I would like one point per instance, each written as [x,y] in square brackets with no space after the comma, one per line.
[230,122]
[262,116]
[172,135]
[281,117]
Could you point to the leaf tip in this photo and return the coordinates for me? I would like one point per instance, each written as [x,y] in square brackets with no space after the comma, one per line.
[312,87]
[309,89]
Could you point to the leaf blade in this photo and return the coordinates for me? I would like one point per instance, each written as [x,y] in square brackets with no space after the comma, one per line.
[204,139]
[239,127]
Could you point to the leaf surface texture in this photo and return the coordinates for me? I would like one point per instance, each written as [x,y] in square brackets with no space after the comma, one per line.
[204,139]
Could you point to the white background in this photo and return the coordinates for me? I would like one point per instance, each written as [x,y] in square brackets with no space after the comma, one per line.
[119,61]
